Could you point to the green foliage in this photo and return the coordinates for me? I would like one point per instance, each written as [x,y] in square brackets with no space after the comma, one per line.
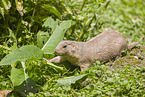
[4,6]
[85,14]
[53,10]
[70,80]
[42,38]
[50,23]
[21,81]
[17,76]
[25,23]
[22,54]
[126,17]
[57,35]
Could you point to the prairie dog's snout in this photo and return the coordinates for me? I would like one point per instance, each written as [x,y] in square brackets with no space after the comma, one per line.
[61,49]
[57,51]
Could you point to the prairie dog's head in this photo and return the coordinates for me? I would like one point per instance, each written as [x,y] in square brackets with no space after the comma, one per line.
[66,48]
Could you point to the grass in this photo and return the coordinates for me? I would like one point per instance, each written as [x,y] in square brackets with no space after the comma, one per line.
[122,77]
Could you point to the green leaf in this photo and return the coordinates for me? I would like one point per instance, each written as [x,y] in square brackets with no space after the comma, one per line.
[42,38]
[56,37]
[53,10]
[21,82]
[17,76]
[22,54]
[67,81]
[50,23]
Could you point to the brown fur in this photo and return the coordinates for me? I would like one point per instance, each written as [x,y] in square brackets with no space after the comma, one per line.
[104,47]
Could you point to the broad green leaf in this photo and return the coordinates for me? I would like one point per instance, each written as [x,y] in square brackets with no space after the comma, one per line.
[17,76]
[56,37]
[42,38]
[21,82]
[70,80]
[50,23]
[22,54]
[53,10]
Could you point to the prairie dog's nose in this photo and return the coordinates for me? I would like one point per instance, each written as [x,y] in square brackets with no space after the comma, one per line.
[55,50]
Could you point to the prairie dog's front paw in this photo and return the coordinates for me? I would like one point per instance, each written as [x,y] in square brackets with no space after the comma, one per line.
[46,60]
[57,59]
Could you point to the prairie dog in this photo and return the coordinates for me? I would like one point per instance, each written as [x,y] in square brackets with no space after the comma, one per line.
[104,47]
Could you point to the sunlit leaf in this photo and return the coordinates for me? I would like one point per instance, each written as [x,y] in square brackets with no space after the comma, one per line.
[22,54]
[17,76]
[70,80]
[56,37]
[50,23]
[42,38]
[53,10]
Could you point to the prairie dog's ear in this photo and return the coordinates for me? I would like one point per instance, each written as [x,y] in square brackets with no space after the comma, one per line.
[73,47]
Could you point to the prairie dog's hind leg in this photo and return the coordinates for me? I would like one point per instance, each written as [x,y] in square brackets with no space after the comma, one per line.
[84,66]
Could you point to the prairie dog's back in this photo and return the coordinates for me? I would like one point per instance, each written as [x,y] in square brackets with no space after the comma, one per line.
[105,36]
[106,45]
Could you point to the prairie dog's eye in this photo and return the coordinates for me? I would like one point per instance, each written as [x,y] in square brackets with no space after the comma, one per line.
[64,46]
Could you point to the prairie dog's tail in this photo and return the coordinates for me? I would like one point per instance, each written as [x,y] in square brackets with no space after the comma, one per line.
[132,45]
